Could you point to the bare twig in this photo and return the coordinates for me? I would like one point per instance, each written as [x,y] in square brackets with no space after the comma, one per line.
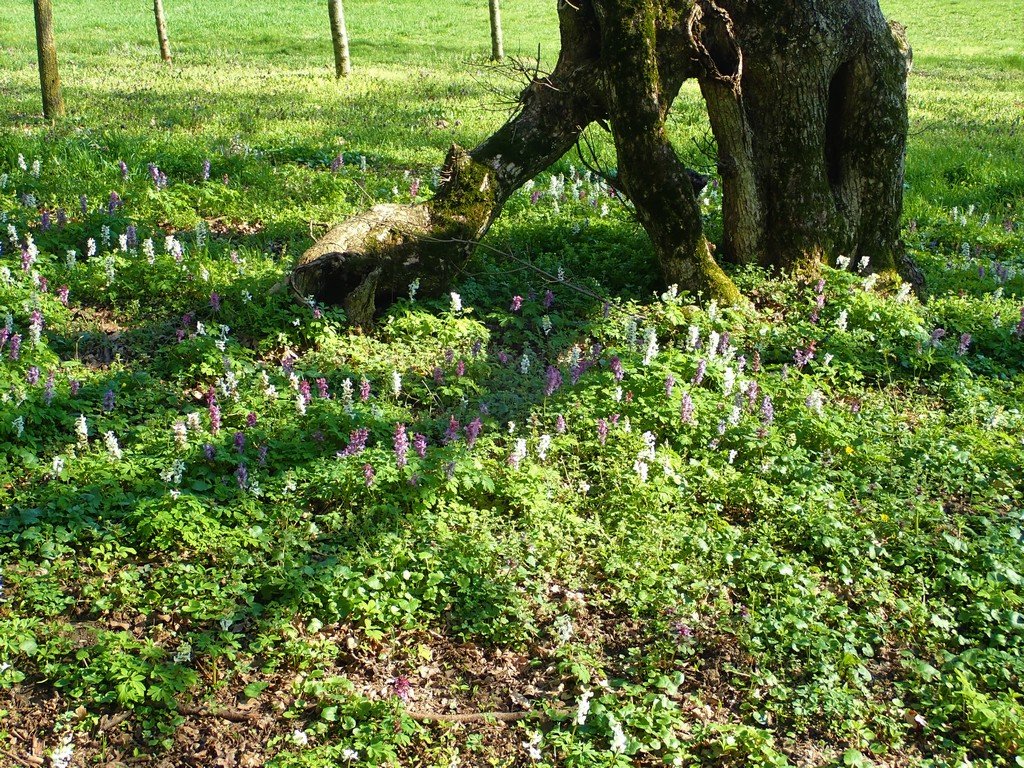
[21,761]
[476,717]
[234,715]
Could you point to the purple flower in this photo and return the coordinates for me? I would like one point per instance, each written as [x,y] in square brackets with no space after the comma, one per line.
[753,391]
[206,169]
[208,451]
[250,420]
[577,371]
[686,409]
[262,454]
[401,443]
[419,444]
[723,343]
[403,688]
[26,259]
[158,176]
[698,377]
[74,385]
[44,221]
[670,382]
[803,356]
[131,236]
[438,375]
[337,162]
[15,350]
[683,632]
[4,334]
[503,357]
[240,441]
[124,168]
[937,336]
[113,204]
[452,433]
[517,303]
[549,299]
[214,417]
[62,217]
[535,197]
[1019,330]
[356,442]
[215,301]
[616,366]
[242,476]
[767,411]
[32,375]
[49,388]
[473,431]
[304,391]
[460,368]
[553,380]
[602,431]
[965,342]
[364,390]
[109,400]
[560,424]
[414,188]
[83,203]
[321,386]
[368,474]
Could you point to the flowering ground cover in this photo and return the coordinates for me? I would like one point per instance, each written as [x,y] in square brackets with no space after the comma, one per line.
[561,516]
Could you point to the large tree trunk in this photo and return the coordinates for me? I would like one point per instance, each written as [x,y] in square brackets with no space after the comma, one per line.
[49,78]
[650,173]
[807,100]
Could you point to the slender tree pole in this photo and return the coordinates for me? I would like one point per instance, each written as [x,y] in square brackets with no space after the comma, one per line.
[161,30]
[339,36]
[49,78]
[497,49]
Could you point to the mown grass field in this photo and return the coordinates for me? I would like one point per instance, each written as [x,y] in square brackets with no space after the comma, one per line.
[236,533]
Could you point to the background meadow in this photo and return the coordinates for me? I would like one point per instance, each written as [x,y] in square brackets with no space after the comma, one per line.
[236,532]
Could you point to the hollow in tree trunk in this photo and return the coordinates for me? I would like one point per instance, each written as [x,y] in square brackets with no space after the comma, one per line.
[49,78]
[339,38]
[807,101]
[161,31]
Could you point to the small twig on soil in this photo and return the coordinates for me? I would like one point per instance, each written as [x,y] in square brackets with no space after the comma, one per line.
[19,760]
[467,717]
[476,717]
[234,715]
[113,721]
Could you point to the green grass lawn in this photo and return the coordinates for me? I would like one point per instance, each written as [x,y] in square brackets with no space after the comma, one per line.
[236,533]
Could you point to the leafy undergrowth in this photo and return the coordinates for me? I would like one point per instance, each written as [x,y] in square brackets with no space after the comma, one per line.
[237,533]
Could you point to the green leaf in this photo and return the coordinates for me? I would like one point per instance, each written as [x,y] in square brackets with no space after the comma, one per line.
[252,690]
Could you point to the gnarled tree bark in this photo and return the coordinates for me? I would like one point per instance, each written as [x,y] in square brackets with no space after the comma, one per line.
[807,101]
